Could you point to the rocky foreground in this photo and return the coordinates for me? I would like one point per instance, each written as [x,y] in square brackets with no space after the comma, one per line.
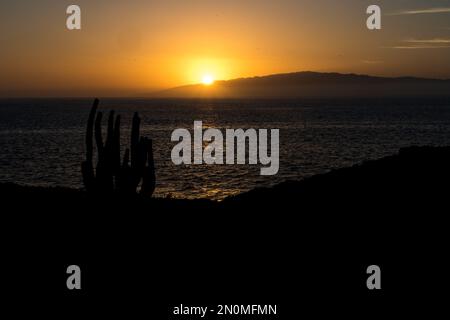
[316,236]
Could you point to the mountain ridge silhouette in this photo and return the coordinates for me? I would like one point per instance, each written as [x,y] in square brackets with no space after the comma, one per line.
[312,84]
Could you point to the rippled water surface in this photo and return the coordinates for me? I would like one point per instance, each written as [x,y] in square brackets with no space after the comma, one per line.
[42,140]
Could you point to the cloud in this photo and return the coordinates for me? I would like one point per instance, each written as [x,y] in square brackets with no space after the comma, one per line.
[419,47]
[422,11]
[372,61]
[436,43]
[430,41]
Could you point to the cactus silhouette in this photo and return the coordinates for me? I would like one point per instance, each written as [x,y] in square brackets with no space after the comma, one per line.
[112,174]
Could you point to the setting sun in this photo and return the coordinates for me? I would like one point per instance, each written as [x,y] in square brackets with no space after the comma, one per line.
[207,80]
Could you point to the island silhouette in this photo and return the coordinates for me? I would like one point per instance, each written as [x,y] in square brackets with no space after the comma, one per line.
[309,84]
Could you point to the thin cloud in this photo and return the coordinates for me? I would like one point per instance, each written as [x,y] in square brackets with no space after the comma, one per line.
[436,43]
[432,41]
[418,47]
[422,11]
[372,61]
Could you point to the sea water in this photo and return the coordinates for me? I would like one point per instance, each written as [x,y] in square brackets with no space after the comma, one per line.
[42,140]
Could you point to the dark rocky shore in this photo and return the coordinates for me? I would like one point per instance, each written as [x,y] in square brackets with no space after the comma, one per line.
[315,236]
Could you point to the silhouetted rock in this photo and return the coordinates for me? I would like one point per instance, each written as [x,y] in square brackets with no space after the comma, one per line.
[417,175]
[319,234]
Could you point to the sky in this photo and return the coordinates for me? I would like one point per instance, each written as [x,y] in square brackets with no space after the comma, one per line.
[134,47]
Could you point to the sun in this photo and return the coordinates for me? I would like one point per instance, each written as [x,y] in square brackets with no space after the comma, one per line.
[207,79]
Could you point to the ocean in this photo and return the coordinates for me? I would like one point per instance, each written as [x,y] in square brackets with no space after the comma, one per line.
[42,140]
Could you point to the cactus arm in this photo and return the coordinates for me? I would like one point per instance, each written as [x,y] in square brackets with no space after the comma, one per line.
[87,168]
[135,139]
[98,135]
[149,177]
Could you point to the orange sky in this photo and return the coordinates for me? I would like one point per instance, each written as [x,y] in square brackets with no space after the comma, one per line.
[136,47]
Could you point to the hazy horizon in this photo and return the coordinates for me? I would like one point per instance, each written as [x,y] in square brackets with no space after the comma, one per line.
[139,47]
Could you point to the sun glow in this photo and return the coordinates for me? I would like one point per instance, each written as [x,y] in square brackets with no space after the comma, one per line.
[207,79]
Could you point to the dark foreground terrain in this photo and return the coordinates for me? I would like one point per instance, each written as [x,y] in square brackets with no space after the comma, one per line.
[303,245]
